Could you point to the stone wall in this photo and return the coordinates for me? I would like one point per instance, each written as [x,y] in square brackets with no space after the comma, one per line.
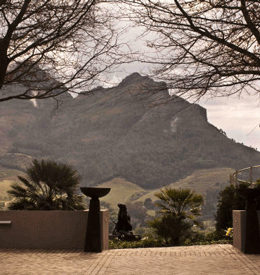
[48,229]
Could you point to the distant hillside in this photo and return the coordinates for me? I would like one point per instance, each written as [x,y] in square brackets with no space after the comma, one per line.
[127,131]
[201,181]
[121,192]
[208,182]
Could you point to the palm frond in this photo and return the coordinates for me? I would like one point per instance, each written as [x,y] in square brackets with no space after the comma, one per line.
[17,190]
[49,185]
[29,185]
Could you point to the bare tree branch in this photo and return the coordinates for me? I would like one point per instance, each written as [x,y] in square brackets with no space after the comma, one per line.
[54,46]
[203,46]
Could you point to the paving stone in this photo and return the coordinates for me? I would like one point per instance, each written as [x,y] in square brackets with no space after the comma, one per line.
[207,259]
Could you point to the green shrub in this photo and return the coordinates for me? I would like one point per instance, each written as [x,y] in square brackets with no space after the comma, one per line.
[179,211]
[145,242]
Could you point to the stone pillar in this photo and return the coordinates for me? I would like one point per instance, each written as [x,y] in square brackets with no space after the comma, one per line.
[239,229]
[245,237]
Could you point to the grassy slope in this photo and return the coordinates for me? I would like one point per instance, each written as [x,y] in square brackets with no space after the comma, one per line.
[7,177]
[9,174]
[4,187]
[121,191]
[201,180]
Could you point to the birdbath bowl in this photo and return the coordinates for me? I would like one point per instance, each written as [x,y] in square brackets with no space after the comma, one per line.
[95,192]
[93,240]
[252,234]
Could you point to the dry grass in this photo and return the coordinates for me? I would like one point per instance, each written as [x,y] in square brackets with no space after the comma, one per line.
[199,181]
[7,177]
[121,191]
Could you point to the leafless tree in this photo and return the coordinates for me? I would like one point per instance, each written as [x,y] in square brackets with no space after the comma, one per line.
[203,46]
[49,47]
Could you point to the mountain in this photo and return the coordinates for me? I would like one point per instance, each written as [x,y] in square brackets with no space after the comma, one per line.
[135,131]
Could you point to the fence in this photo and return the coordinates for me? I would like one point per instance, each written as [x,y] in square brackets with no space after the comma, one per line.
[249,174]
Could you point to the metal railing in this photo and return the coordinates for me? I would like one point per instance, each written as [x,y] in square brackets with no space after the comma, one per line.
[248,174]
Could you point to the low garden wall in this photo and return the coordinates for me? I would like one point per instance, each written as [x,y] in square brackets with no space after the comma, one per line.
[48,229]
[239,228]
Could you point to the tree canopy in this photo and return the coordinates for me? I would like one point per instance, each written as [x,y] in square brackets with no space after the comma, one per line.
[52,46]
[228,201]
[209,46]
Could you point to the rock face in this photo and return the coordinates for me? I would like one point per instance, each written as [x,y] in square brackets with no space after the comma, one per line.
[134,130]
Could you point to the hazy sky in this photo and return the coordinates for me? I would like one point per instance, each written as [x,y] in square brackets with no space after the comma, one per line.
[238,117]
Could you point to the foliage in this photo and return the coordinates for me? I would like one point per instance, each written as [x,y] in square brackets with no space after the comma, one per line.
[145,242]
[228,201]
[53,46]
[171,230]
[201,238]
[203,46]
[48,186]
[152,241]
[179,209]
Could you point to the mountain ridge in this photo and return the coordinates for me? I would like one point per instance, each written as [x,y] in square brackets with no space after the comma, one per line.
[134,130]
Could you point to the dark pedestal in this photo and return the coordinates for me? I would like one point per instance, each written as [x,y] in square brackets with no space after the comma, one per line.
[252,234]
[93,241]
[93,235]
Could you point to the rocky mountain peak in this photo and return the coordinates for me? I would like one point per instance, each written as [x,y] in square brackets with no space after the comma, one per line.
[132,78]
[121,132]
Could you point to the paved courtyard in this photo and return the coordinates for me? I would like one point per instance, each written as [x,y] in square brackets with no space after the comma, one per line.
[206,259]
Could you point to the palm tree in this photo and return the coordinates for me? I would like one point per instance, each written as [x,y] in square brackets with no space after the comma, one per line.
[179,209]
[48,186]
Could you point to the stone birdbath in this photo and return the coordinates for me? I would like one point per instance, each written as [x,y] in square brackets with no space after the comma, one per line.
[93,242]
[252,234]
